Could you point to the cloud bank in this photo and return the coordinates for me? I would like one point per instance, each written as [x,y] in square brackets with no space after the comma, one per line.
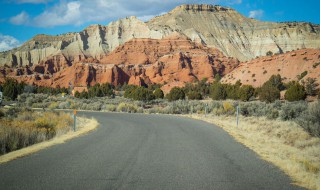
[8,42]
[77,12]
[256,13]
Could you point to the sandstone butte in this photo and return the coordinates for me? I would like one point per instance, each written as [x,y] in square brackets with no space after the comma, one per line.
[138,61]
[186,44]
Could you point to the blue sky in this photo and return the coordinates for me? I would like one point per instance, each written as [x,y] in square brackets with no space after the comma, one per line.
[20,20]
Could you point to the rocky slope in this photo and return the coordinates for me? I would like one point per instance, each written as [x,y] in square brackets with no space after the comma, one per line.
[213,26]
[138,61]
[235,35]
[289,65]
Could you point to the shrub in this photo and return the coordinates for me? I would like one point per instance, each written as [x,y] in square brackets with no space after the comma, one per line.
[2,114]
[273,114]
[228,108]
[175,94]
[276,81]
[256,108]
[11,88]
[218,92]
[128,90]
[296,92]
[107,89]
[109,107]
[95,91]
[246,92]
[143,94]
[158,93]
[217,77]
[315,65]
[203,87]
[310,86]
[292,110]
[269,93]
[233,91]
[194,96]
[302,75]
[269,53]
[53,105]
[126,107]
[139,93]
[77,94]
[310,119]
[84,95]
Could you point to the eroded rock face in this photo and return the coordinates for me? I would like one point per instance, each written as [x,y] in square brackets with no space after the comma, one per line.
[138,61]
[215,26]
[289,65]
[235,35]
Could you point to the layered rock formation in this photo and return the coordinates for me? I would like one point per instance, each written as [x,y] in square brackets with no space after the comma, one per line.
[235,35]
[289,65]
[138,61]
[214,26]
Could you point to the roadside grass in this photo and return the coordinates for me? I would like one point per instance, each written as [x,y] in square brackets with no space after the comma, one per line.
[22,128]
[283,143]
[84,125]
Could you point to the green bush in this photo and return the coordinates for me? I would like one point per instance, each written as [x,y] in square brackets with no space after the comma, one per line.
[296,92]
[95,91]
[77,94]
[233,91]
[302,75]
[98,90]
[269,93]
[203,87]
[269,53]
[218,92]
[107,89]
[11,88]
[84,95]
[175,94]
[276,81]
[142,94]
[246,92]
[158,93]
[128,90]
[194,96]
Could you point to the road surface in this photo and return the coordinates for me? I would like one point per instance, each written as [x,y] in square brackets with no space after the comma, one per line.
[134,151]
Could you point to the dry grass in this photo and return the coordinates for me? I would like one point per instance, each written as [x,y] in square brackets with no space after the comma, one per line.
[19,129]
[84,126]
[285,144]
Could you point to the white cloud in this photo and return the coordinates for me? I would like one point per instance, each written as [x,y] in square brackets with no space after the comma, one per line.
[76,12]
[20,19]
[256,13]
[63,14]
[8,42]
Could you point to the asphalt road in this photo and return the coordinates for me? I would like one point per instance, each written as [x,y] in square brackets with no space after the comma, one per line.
[133,151]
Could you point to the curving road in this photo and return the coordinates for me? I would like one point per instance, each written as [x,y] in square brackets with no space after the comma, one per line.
[133,151]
